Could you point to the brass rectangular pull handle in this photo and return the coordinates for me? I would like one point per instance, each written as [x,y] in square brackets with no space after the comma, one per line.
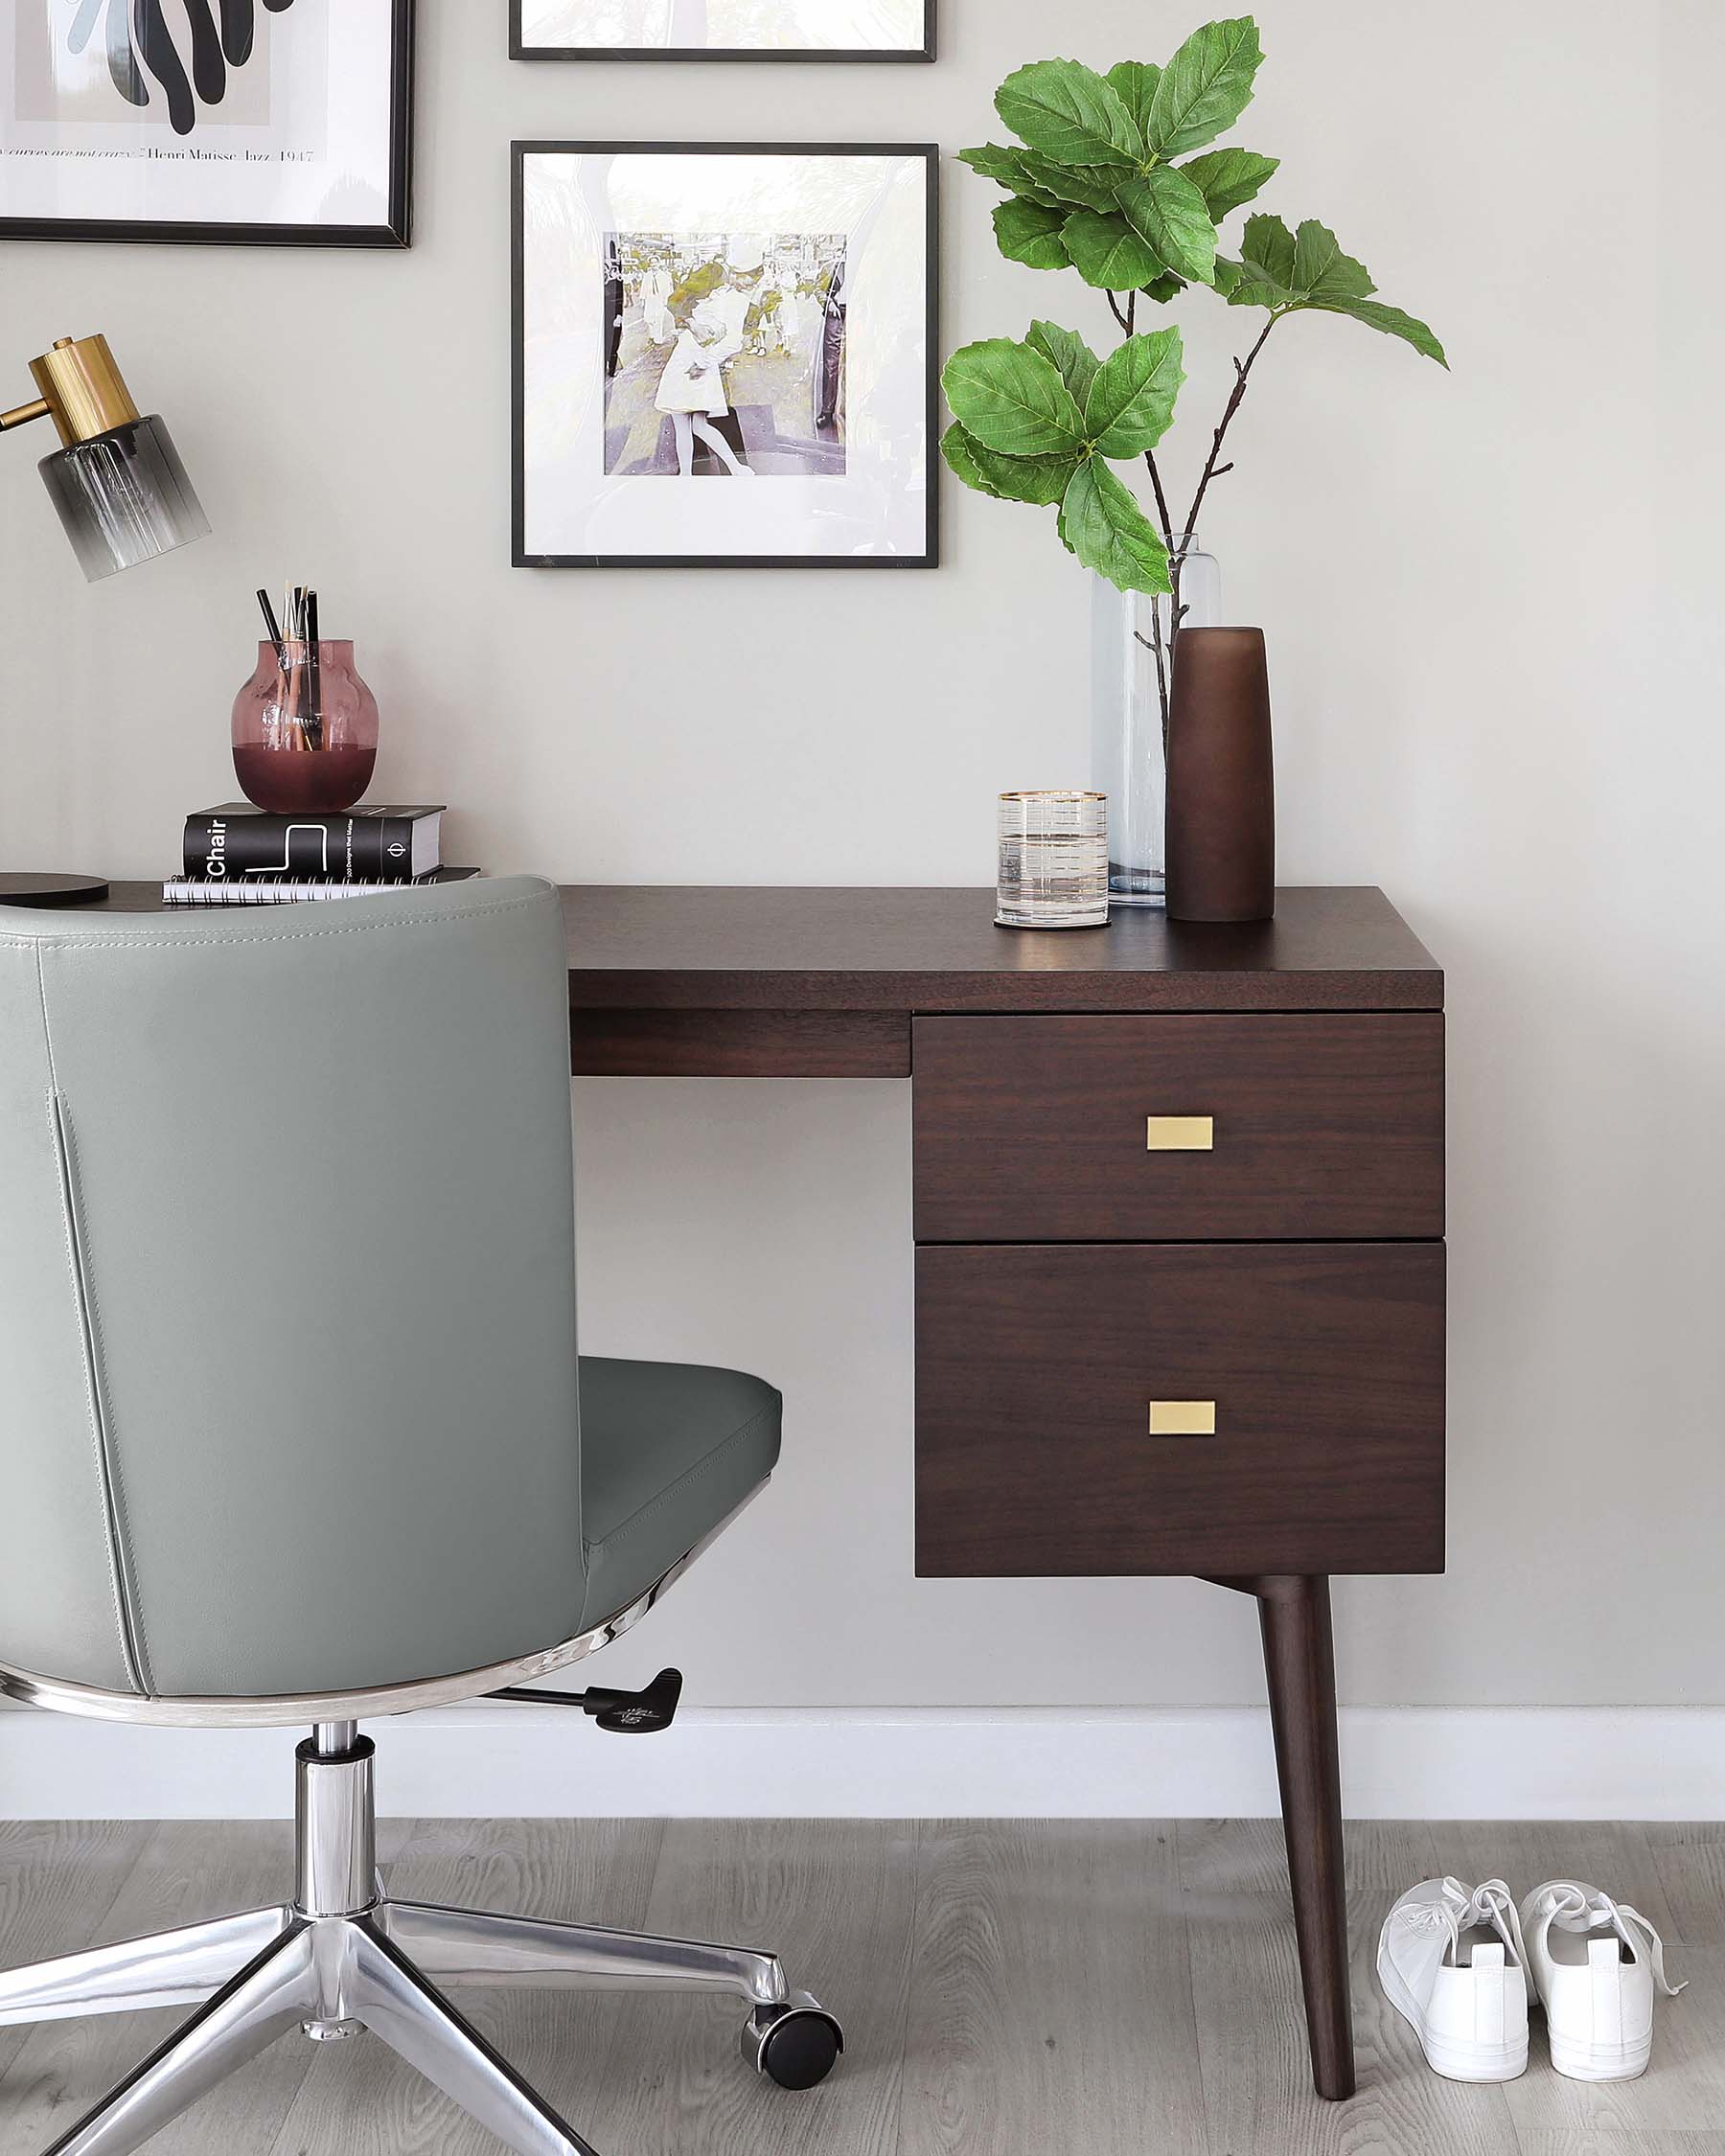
[1183,1419]
[1180,1133]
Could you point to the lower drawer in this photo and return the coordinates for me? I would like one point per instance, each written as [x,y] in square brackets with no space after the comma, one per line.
[1064,1393]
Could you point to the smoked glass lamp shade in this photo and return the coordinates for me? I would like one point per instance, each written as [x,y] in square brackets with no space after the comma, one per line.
[123,498]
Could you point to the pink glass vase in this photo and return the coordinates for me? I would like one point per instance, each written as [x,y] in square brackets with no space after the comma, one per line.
[306,735]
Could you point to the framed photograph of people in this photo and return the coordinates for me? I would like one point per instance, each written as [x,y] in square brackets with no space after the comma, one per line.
[285,123]
[725,355]
[722,30]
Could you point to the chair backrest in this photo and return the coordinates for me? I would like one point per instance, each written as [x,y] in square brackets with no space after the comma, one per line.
[288,1369]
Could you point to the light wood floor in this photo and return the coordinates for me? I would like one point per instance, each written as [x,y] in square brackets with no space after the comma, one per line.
[1008,1990]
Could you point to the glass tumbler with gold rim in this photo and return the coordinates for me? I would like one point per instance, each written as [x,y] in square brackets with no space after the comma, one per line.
[1053,865]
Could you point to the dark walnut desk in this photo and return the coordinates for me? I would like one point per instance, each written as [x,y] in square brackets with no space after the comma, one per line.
[1178,1221]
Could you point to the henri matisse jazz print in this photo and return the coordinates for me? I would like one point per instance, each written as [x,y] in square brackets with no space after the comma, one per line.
[228,120]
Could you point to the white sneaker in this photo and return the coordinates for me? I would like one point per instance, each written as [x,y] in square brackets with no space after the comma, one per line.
[1451,1963]
[1593,1963]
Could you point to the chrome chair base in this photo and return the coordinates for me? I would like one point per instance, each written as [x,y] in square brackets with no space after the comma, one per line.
[341,1959]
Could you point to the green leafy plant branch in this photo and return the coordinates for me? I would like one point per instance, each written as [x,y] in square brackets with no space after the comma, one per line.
[1093,184]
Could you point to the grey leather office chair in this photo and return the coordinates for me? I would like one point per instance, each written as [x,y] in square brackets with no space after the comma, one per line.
[292,1430]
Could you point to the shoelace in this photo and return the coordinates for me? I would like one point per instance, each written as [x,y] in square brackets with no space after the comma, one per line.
[1490,1904]
[1575,1910]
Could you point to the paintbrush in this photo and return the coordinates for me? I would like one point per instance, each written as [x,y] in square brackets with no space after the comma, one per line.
[274,627]
[315,658]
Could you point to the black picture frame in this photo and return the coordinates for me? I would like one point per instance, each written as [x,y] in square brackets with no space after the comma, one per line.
[519,152]
[521,51]
[397,232]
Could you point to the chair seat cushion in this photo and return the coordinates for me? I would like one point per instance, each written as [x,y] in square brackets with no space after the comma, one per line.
[667,1451]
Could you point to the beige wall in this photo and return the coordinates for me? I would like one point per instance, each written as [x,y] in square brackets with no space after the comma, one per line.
[1493,614]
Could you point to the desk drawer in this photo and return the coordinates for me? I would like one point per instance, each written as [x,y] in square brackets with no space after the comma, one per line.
[1042,1372]
[1040,1128]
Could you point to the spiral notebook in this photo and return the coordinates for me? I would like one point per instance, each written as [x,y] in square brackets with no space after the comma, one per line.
[286,890]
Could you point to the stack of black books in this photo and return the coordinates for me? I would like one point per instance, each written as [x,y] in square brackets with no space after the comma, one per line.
[238,856]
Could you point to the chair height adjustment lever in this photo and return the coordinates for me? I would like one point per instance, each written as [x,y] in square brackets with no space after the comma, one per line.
[642,1713]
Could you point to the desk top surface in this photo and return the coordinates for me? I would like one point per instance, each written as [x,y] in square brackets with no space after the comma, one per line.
[685,946]
[663,946]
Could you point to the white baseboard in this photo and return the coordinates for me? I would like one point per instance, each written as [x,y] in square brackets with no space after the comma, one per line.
[494,1761]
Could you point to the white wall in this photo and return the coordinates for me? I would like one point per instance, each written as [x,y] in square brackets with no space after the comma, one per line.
[1492,601]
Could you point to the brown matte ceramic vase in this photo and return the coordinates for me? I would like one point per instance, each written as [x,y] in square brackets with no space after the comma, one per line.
[1221,850]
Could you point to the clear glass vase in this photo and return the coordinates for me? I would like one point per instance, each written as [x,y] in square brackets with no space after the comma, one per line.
[1131,673]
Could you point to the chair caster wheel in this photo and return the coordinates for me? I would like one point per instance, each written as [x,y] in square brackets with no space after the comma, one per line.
[796,2046]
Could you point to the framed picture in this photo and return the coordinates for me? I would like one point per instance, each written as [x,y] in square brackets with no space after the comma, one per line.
[727,29]
[283,122]
[724,355]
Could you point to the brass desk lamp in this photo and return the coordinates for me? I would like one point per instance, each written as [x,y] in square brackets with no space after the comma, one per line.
[122,495]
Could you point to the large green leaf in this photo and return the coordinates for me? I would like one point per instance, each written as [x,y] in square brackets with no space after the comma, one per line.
[1101,522]
[1106,252]
[1227,178]
[1390,320]
[1084,187]
[1290,272]
[1028,233]
[1204,87]
[1066,111]
[1136,82]
[1296,267]
[1007,169]
[1012,400]
[1323,271]
[1039,481]
[1076,365]
[1167,213]
[1131,403]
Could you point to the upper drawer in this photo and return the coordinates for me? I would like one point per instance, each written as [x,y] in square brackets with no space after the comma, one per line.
[1152,1129]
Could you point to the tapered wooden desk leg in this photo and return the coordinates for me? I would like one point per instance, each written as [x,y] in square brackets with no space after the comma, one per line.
[1299,1662]
[1301,1665]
